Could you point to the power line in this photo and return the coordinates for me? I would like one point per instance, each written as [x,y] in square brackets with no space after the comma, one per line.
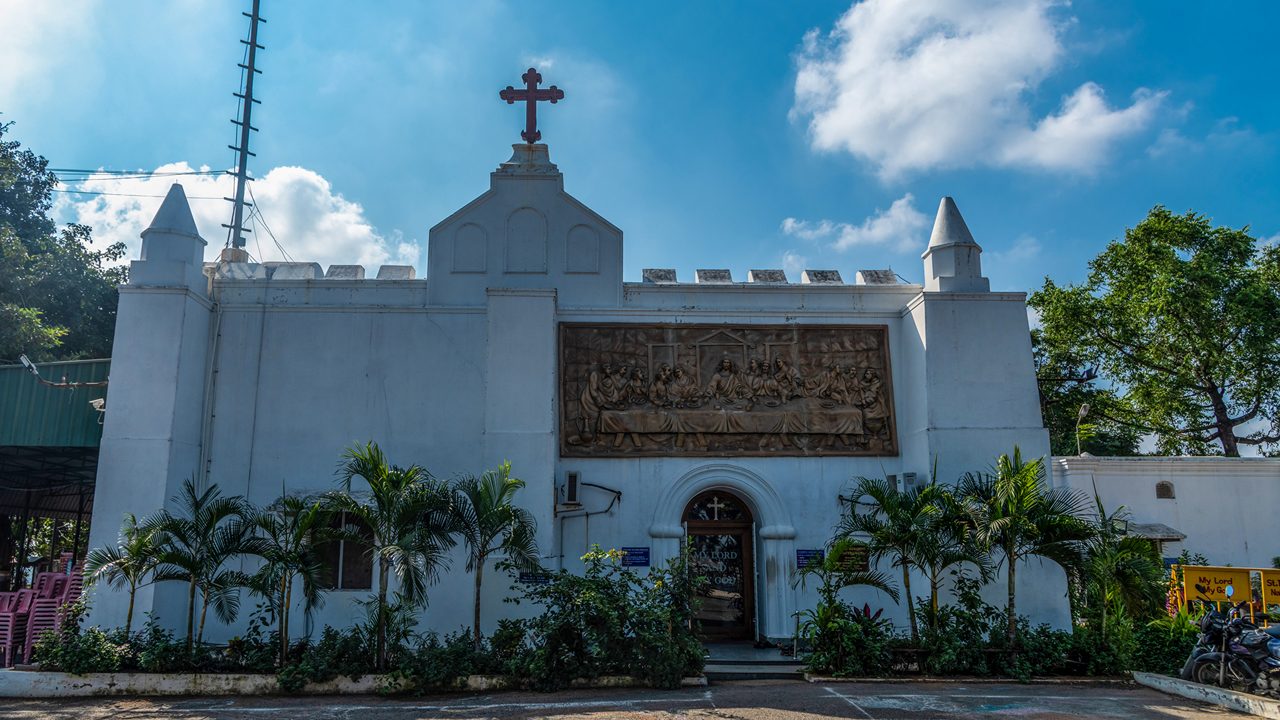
[257,210]
[137,195]
[125,174]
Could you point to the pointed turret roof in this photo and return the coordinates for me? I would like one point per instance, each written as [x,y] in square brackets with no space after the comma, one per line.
[174,216]
[949,227]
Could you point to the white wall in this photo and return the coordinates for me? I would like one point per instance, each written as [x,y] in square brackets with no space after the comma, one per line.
[1225,506]
[458,372]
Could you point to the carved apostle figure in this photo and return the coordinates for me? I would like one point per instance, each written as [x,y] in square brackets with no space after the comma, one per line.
[684,390]
[660,389]
[638,388]
[788,379]
[620,387]
[875,407]
[593,399]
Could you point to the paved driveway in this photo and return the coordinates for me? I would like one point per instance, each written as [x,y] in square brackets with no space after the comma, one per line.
[753,700]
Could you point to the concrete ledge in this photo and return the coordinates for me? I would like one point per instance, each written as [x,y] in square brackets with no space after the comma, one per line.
[18,683]
[967,680]
[35,684]
[1230,699]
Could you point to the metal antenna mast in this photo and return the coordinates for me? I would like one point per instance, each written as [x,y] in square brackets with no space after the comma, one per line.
[235,231]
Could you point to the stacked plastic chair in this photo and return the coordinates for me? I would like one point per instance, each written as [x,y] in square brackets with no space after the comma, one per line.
[13,624]
[44,611]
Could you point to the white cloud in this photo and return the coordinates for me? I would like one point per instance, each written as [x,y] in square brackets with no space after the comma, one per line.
[1013,268]
[1023,249]
[899,228]
[39,37]
[1226,136]
[311,221]
[794,263]
[1080,137]
[940,83]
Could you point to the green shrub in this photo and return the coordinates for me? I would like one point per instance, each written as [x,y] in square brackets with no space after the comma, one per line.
[955,640]
[610,621]
[1162,646]
[78,651]
[846,642]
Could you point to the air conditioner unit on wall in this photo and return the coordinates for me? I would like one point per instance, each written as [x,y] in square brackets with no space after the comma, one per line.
[569,492]
[904,482]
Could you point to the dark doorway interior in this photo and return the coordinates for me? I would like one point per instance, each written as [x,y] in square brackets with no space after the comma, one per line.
[721,533]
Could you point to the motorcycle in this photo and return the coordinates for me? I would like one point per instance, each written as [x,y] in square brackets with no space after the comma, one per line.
[1234,653]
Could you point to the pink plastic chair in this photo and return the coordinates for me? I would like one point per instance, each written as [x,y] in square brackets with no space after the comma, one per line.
[13,624]
[47,612]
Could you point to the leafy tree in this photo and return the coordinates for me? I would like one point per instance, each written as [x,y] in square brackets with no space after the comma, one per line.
[1016,513]
[1076,410]
[59,297]
[195,545]
[1183,321]
[489,522]
[408,514]
[291,533]
[131,563]
[892,525]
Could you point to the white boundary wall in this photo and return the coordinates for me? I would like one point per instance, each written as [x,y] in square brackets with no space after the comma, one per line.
[1229,508]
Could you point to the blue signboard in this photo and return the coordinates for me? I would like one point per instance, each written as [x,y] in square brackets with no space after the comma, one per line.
[635,557]
[533,578]
[804,557]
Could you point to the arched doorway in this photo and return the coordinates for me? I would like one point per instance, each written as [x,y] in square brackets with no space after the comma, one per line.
[721,533]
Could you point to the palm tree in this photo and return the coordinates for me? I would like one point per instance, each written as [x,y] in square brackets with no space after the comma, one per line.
[131,563]
[893,526]
[1015,512]
[195,545]
[487,519]
[1121,571]
[834,574]
[407,515]
[291,532]
[947,541]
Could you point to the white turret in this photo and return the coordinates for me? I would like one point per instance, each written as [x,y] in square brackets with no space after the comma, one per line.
[953,260]
[172,249]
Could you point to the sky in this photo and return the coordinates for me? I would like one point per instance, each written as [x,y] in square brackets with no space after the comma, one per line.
[735,135]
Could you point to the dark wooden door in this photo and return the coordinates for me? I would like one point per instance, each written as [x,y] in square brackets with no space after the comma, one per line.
[721,535]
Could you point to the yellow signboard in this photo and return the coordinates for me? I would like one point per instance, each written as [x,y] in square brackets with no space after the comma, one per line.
[1271,587]
[1210,583]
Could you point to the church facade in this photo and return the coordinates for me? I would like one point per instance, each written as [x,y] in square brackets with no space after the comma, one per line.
[735,414]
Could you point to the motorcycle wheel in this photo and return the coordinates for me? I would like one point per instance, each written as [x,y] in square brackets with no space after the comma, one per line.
[1206,674]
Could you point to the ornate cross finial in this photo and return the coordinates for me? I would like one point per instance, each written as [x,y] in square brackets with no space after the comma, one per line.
[530,96]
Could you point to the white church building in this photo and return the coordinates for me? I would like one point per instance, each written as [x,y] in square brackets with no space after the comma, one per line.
[736,410]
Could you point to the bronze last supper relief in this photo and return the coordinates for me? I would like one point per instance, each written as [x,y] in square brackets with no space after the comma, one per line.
[631,390]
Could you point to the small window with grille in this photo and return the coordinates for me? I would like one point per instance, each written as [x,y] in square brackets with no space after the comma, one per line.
[1164,490]
[348,564]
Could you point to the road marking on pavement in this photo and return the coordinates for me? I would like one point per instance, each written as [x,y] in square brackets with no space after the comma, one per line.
[392,706]
[849,700]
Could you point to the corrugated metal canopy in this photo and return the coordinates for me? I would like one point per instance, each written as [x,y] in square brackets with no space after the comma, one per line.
[36,415]
[49,438]
[47,481]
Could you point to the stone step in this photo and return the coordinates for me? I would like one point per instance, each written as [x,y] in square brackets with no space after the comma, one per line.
[780,661]
[753,671]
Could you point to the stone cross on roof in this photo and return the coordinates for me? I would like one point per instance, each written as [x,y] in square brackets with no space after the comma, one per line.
[530,96]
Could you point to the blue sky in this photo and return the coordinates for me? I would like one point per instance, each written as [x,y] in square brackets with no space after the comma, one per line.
[732,134]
